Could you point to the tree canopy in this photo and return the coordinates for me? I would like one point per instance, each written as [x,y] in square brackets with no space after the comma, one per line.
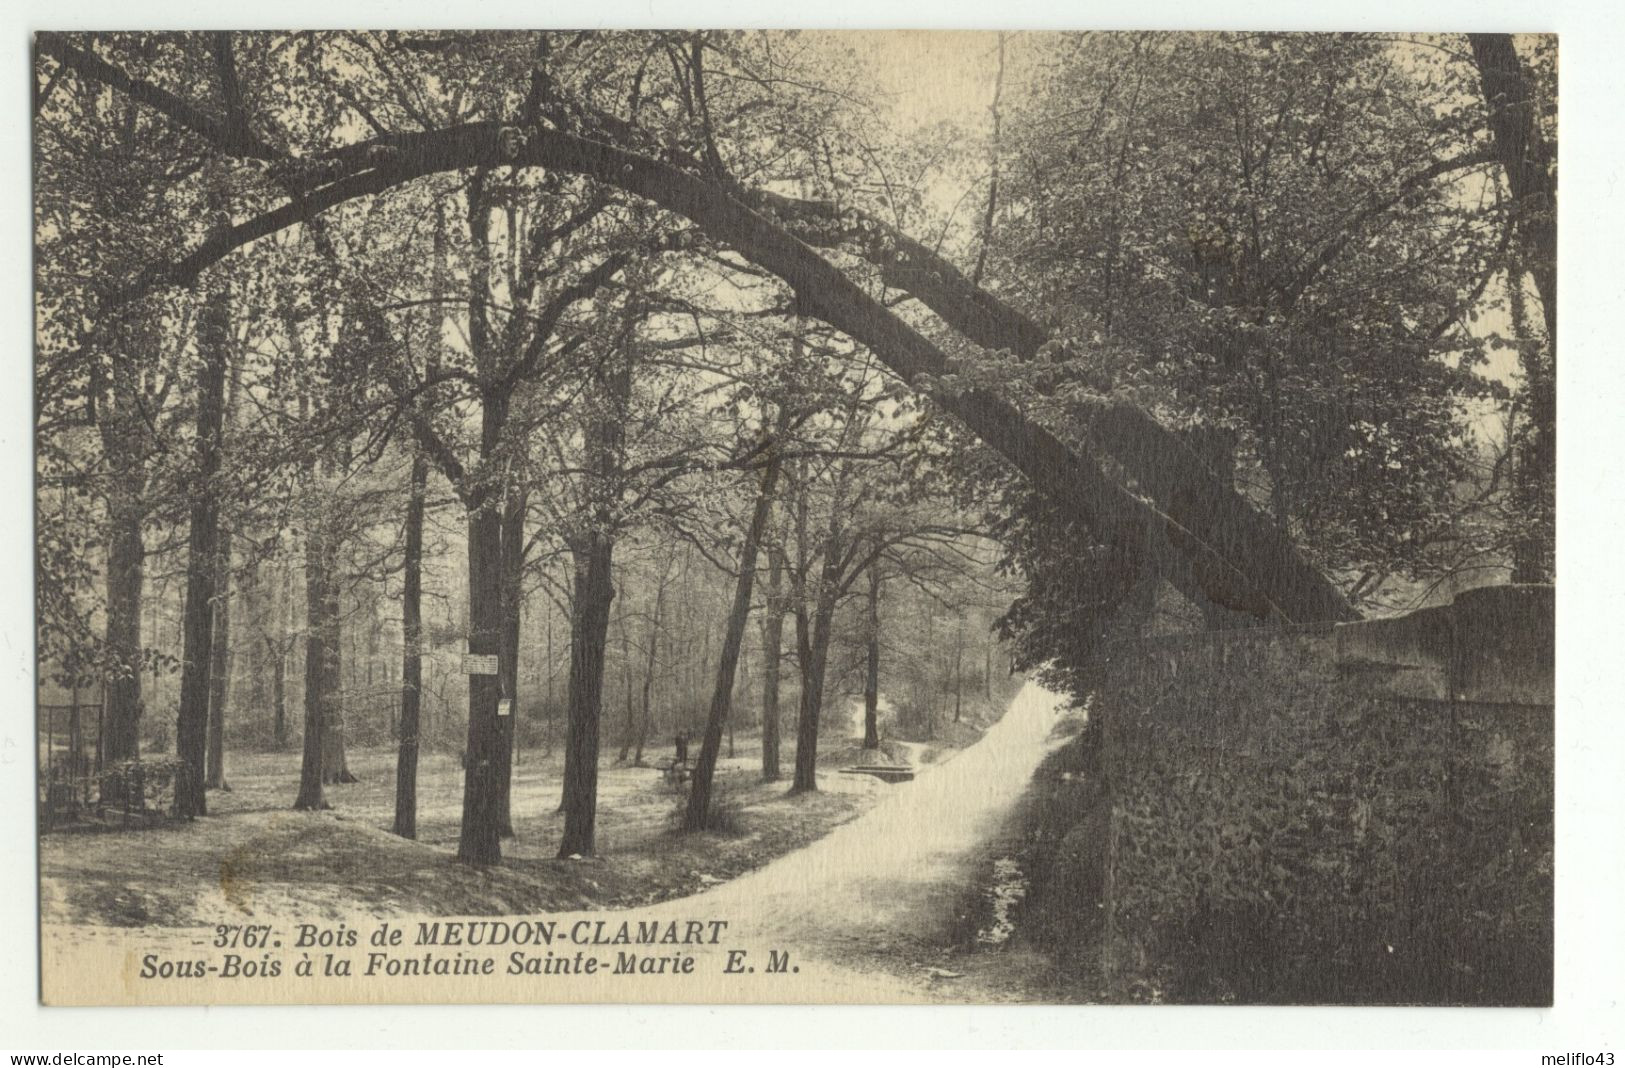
[1248,315]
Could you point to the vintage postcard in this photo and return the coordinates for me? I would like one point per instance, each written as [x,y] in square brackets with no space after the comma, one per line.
[795,517]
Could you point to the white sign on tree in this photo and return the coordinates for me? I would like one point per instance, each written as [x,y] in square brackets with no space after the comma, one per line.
[479,663]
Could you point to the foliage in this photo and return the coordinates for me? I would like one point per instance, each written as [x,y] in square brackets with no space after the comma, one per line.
[1295,251]
[1275,245]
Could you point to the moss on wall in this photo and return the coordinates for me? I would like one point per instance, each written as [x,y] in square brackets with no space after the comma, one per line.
[1254,816]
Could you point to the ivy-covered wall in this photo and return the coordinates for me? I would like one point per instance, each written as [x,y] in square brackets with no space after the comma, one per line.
[1354,814]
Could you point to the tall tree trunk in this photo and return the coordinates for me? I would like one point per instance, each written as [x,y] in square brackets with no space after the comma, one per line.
[772,659]
[1526,156]
[744,688]
[513,574]
[814,643]
[605,437]
[279,656]
[220,662]
[959,669]
[406,759]
[126,571]
[203,547]
[480,840]
[629,728]
[931,686]
[485,758]
[220,671]
[550,664]
[123,433]
[699,791]
[279,693]
[594,592]
[411,715]
[335,765]
[311,795]
[995,156]
[1529,162]
[254,617]
[650,660]
[1535,466]
[871,678]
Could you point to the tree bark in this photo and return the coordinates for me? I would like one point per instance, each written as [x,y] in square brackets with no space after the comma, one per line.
[203,547]
[485,756]
[279,694]
[959,668]
[311,795]
[123,435]
[1530,165]
[220,671]
[594,592]
[279,656]
[772,661]
[220,662]
[1526,156]
[629,728]
[814,642]
[604,440]
[1535,468]
[871,677]
[335,765]
[699,791]
[406,758]
[479,842]
[126,571]
[513,574]
[931,687]
[651,659]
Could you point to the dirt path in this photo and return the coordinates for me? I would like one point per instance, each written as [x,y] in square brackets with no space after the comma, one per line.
[883,892]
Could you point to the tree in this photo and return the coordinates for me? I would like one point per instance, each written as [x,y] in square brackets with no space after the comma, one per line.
[698,814]
[1203,523]
[852,505]
[406,767]
[203,546]
[220,662]
[1519,112]
[772,659]
[871,676]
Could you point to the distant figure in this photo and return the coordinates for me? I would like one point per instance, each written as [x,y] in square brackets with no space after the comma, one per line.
[682,747]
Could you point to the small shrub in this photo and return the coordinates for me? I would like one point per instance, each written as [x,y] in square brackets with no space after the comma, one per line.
[727,815]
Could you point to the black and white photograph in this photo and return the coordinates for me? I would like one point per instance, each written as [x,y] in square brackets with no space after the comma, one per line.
[1024,517]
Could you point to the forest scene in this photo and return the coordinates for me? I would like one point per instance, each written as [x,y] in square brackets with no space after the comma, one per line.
[502,472]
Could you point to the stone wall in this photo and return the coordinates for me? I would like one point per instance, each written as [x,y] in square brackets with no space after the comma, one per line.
[1359,813]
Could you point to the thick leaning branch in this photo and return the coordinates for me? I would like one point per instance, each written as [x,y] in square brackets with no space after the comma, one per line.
[1219,547]
[1234,556]
[1184,486]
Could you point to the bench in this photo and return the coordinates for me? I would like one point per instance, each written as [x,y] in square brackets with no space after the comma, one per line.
[675,772]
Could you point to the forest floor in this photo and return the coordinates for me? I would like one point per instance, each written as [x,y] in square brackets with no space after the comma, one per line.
[253,857]
[886,893]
